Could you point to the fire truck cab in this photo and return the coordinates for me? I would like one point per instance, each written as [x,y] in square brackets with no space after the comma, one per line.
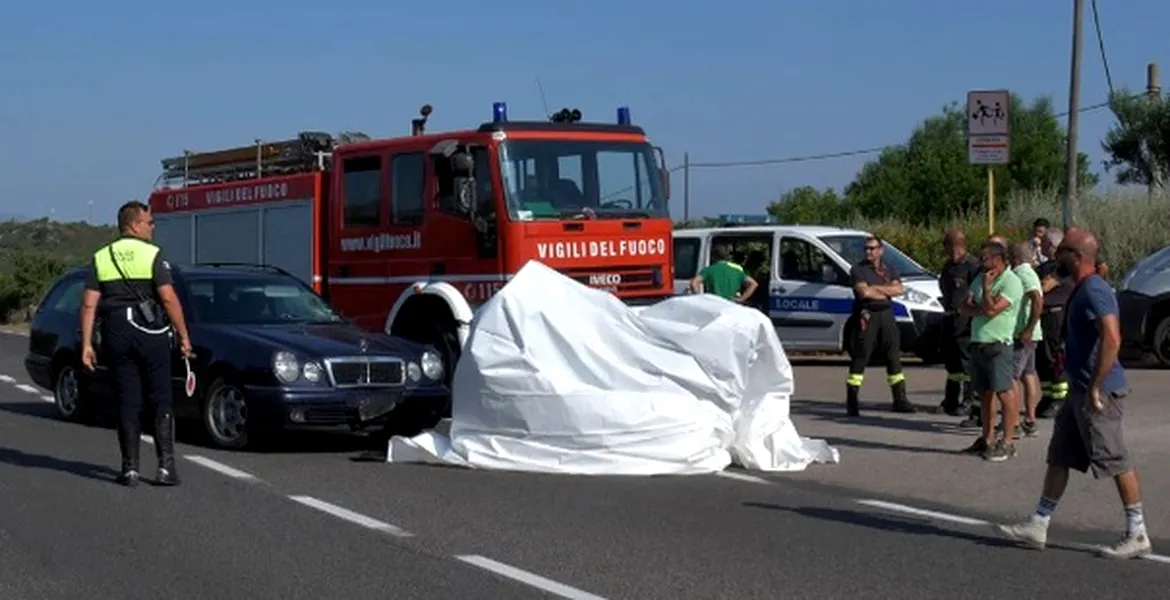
[410,235]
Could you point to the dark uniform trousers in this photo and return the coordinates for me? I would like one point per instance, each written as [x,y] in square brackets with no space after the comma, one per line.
[1050,361]
[956,351]
[871,331]
[140,365]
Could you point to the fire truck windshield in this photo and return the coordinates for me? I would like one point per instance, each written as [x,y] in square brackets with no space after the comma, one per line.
[560,179]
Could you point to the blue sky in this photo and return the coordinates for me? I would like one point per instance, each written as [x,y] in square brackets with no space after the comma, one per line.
[94,97]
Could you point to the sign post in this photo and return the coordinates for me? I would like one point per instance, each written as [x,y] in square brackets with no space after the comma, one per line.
[989,137]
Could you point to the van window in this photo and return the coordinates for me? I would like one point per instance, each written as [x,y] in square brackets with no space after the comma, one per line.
[686,257]
[802,261]
[362,202]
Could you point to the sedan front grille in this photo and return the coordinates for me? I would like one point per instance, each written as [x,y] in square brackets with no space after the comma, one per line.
[366,371]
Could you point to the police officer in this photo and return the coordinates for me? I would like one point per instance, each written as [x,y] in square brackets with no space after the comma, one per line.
[125,285]
[1050,353]
[954,281]
[871,327]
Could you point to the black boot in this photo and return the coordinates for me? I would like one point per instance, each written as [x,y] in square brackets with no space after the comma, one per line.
[901,402]
[164,446]
[952,398]
[974,416]
[129,441]
[853,400]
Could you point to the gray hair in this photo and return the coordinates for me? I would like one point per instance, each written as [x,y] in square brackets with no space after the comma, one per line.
[1054,237]
[1022,252]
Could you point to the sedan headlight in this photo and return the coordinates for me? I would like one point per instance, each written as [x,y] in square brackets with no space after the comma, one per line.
[285,366]
[311,371]
[432,365]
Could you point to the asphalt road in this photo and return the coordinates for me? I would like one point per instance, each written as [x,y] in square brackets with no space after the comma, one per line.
[303,521]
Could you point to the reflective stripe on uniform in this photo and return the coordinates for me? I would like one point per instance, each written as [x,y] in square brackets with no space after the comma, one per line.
[135,257]
[895,378]
[958,377]
[854,379]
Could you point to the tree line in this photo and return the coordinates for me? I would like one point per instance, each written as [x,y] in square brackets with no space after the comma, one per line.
[33,254]
[928,178]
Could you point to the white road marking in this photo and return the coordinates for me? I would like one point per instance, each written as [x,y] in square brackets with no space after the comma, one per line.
[352,517]
[49,399]
[532,579]
[147,439]
[941,516]
[7,379]
[24,387]
[220,468]
[922,512]
[742,477]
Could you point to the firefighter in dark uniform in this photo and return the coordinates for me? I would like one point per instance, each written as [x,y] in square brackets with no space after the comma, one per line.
[1057,288]
[871,327]
[954,282]
[127,283]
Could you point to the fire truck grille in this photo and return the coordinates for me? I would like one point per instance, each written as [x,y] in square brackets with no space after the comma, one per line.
[368,371]
[618,279]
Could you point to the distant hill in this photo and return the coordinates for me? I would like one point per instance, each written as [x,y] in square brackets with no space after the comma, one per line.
[34,253]
[69,243]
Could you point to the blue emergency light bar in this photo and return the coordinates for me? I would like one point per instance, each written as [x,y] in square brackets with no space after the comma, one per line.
[499,112]
[623,115]
[749,219]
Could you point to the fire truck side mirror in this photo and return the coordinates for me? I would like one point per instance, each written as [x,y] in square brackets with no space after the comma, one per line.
[463,170]
[664,173]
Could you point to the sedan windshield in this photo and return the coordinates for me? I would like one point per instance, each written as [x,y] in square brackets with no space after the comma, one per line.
[851,247]
[256,301]
[560,179]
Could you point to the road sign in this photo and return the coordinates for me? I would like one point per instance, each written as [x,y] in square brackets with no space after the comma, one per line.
[989,149]
[989,127]
[988,112]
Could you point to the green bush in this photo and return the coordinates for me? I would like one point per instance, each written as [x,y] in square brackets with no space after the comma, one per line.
[1129,224]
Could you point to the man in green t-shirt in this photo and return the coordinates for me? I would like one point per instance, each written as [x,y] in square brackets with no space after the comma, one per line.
[724,278]
[993,303]
[1028,333]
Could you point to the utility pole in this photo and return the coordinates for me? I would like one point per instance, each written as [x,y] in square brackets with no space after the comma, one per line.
[1153,93]
[1074,107]
[686,187]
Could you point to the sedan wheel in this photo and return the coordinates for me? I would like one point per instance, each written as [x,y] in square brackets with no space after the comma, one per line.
[225,416]
[67,394]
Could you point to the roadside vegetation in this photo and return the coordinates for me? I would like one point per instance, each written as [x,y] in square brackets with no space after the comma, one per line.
[34,253]
[910,193]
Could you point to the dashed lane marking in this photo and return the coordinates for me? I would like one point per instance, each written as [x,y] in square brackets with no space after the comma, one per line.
[527,578]
[220,468]
[741,477]
[351,516]
[7,379]
[961,520]
[24,387]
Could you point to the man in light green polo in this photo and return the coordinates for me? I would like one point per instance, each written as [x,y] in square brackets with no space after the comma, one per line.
[1029,334]
[993,304]
[724,278]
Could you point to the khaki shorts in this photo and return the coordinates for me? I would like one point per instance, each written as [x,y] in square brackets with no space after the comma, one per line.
[1083,439]
[1023,359]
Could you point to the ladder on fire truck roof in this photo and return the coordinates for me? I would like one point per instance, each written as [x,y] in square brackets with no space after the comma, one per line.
[305,153]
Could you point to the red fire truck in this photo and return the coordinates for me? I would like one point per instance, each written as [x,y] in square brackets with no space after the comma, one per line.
[409,235]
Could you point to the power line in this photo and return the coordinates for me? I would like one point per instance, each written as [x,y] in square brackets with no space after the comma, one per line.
[841,154]
[1101,46]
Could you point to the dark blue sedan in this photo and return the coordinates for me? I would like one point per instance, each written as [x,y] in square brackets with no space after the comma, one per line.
[270,354]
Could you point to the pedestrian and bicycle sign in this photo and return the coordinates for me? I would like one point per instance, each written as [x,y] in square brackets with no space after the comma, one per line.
[989,127]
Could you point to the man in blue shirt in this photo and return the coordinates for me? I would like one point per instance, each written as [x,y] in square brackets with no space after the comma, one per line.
[1087,432]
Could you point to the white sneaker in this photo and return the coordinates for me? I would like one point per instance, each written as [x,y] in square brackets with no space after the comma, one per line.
[1132,545]
[1032,533]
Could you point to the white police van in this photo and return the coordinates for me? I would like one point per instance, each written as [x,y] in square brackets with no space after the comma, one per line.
[808,293]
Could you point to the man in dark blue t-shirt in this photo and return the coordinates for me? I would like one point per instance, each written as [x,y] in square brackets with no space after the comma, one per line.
[1087,432]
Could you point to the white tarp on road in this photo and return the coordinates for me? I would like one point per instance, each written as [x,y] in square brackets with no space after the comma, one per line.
[557,377]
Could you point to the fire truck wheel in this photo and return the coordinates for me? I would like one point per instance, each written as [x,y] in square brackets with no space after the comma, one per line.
[225,415]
